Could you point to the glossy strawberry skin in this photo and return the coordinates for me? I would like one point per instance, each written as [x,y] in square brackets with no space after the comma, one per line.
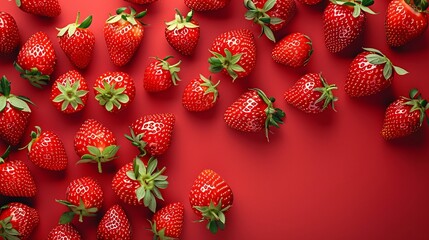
[157,130]
[403,23]
[79,47]
[16,180]
[13,123]
[92,133]
[24,218]
[206,5]
[294,50]
[170,218]
[114,225]
[64,232]
[9,34]
[141,1]
[73,77]
[47,151]
[310,2]
[48,8]
[196,97]
[86,189]
[124,187]
[340,27]
[283,9]
[183,40]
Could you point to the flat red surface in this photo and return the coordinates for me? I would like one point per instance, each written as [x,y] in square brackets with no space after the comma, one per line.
[327,176]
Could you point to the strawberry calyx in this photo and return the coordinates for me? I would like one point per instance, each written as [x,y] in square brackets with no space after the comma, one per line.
[179,22]
[228,62]
[129,17]
[274,115]
[7,231]
[110,97]
[260,16]
[81,210]
[327,96]
[158,235]
[5,155]
[357,5]
[99,155]
[214,215]
[417,103]
[173,69]
[70,94]
[418,5]
[71,28]
[377,58]
[18,102]
[137,141]
[211,88]
[34,76]
[150,179]
[34,137]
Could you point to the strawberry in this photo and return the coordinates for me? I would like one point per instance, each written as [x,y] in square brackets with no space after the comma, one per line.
[9,34]
[114,225]
[253,111]
[369,73]
[114,90]
[14,114]
[46,8]
[183,33]
[152,133]
[84,197]
[240,53]
[36,60]
[210,198]
[404,116]
[64,232]
[405,21]
[16,179]
[69,92]
[17,221]
[167,223]
[123,34]
[310,2]
[200,94]
[46,150]
[206,5]
[159,75]
[94,143]
[136,183]
[271,15]
[294,50]
[311,94]
[77,42]
[141,1]
[343,22]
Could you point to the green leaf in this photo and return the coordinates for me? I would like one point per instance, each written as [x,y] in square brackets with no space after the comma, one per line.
[148,197]
[66,217]
[19,104]
[356,11]
[269,33]
[94,150]
[3,102]
[140,193]
[131,175]
[86,23]
[373,50]
[269,5]
[152,204]
[250,15]
[400,71]
[120,10]
[275,20]
[18,3]
[387,71]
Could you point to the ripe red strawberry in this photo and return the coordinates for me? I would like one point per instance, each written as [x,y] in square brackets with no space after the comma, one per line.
[311,94]
[234,53]
[200,94]
[369,73]
[14,114]
[84,197]
[294,50]
[159,75]
[405,21]
[167,223]
[206,5]
[310,2]
[343,22]
[77,42]
[64,232]
[137,183]
[210,198]
[16,179]
[183,33]
[46,8]
[404,116]
[114,225]
[9,34]
[152,133]
[123,34]
[114,90]
[69,92]
[141,1]
[253,111]
[46,150]
[271,15]
[36,60]
[94,143]
[17,221]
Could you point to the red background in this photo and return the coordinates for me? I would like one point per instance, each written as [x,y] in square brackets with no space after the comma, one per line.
[327,176]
